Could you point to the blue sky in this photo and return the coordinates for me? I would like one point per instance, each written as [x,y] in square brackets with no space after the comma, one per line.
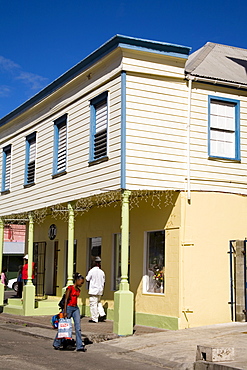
[40,40]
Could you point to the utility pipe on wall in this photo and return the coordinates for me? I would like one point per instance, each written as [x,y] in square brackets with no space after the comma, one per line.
[188,137]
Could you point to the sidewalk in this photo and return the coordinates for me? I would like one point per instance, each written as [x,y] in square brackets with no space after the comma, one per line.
[168,349]
[177,349]
[95,333]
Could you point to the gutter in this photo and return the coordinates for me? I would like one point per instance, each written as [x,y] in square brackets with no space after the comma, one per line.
[216,82]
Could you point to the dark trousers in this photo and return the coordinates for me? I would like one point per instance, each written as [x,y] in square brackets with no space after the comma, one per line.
[20,288]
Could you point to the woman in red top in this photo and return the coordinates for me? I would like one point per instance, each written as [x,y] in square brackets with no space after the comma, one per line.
[72,310]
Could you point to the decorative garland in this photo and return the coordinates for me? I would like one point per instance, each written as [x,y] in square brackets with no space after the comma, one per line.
[158,199]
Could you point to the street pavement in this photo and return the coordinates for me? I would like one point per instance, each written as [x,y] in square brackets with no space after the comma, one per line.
[161,349]
[25,352]
[147,346]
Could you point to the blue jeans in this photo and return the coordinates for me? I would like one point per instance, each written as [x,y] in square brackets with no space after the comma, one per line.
[73,312]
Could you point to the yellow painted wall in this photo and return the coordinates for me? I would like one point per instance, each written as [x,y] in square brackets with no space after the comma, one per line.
[208,223]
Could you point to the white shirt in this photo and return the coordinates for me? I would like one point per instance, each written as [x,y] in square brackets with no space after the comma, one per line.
[96,277]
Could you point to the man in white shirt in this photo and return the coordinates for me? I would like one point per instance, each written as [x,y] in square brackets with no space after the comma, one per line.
[96,278]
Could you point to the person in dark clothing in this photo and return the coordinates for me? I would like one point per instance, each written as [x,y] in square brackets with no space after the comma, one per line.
[19,282]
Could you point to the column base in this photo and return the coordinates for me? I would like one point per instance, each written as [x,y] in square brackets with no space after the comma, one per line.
[1,294]
[28,300]
[123,312]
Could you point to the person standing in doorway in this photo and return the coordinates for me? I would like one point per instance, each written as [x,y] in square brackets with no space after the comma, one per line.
[25,270]
[96,278]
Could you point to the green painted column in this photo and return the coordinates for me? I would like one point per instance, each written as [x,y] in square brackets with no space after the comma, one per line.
[30,250]
[1,260]
[124,298]
[71,233]
[29,289]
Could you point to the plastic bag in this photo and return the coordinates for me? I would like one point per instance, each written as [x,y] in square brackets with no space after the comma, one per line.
[64,329]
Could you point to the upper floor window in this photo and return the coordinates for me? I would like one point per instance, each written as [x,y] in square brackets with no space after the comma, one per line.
[30,159]
[99,126]
[224,141]
[6,168]
[60,145]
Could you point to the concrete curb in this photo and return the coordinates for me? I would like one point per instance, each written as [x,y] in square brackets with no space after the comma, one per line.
[206,365]
[89,338]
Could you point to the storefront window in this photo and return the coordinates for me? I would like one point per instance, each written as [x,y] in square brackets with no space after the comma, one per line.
[155,262]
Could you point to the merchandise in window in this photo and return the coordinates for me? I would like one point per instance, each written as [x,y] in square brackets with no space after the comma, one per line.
[155,262]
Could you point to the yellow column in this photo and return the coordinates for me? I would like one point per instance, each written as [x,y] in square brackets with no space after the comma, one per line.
[1,260]
[29,289]
[71,232]
[124,298]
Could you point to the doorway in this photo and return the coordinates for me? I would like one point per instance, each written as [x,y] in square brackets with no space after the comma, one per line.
[238,280]
[55,267]
[39,251]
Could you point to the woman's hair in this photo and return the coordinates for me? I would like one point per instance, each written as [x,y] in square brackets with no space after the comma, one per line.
[78,276]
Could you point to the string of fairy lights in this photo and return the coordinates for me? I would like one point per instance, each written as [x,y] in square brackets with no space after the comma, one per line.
[156,198]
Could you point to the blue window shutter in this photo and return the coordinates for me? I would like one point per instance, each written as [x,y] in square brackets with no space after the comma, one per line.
[62,148]
[60,145]
[6,168]
[99,127]
[30,159]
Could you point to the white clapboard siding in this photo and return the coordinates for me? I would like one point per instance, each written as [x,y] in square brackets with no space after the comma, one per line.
[156,132]
[81,179]
[159,65]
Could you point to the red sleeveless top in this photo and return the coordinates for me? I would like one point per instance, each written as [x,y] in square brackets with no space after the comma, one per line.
[73,295]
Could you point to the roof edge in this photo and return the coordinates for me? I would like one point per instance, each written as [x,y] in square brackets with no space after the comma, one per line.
[198,57]
[103,50]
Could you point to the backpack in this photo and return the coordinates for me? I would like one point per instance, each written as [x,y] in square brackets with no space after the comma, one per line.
[62,301]
[54,321]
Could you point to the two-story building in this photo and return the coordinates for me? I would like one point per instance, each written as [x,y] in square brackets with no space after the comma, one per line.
[140,158]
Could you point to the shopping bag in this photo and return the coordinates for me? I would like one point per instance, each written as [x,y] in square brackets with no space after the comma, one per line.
[64,329]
